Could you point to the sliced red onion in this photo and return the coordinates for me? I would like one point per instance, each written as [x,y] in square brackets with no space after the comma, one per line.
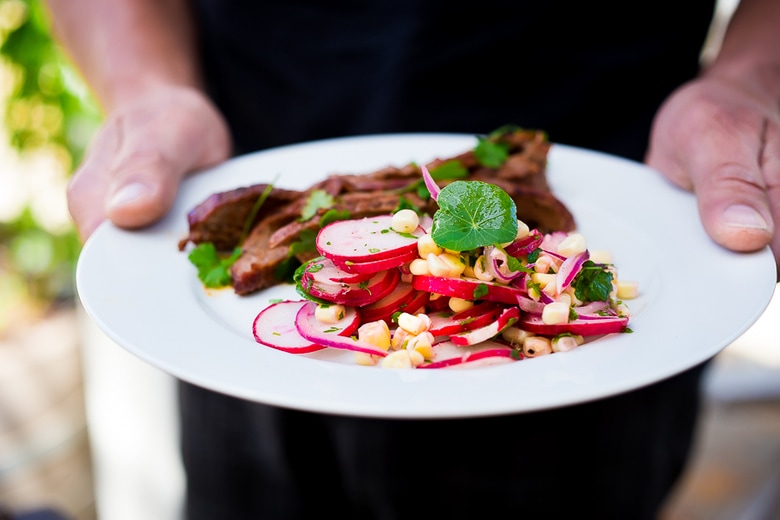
[569,269]
[498,266]
[433,189]
[526,245]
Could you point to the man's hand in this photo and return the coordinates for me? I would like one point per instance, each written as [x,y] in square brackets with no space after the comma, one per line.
[133,168]
[721,139]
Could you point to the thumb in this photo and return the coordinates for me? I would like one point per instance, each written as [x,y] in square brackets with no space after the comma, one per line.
[139,157]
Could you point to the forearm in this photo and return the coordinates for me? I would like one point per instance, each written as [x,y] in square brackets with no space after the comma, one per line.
[125,48]
[750,52]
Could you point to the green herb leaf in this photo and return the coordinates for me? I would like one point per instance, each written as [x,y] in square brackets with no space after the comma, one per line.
[317,199]
[449,170]
[473,214]
[593,283]
[491,154]
[332,215]
[213,268]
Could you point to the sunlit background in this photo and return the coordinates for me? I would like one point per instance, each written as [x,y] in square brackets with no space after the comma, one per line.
[48,118]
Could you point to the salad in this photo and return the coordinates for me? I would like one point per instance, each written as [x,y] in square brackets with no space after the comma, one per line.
[470,285]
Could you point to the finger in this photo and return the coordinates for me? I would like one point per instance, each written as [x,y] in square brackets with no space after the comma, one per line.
[88,187]
[154,156]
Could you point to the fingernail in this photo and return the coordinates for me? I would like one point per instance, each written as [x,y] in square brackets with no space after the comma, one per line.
[129,194]
[744,216]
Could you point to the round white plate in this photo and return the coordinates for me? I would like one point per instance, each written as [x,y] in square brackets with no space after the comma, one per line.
[696,297]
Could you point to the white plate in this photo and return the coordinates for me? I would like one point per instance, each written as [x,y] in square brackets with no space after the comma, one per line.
[696,297]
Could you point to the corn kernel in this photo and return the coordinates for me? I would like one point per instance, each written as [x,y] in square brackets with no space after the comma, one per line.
[446,265]
[422,343]
[416,357]
[419,267]
[329,313]
[627,290]
[480,269]
[400,338]
[543,264]
[566,343]
[426,245]
[405,221]
[515,335]
[522,230]
[544,279]
[366,360]
[397,359]
[572,245]
[535,346]
[600,256]
[414,324]
[555,313]
[376,333]
[459,304]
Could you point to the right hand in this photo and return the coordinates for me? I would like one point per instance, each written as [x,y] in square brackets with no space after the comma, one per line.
[132,170]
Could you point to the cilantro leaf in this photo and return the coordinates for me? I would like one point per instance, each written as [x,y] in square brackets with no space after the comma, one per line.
[213,268]
[317,199]
[473,214]
[593,283]
[448,170]
[490,153]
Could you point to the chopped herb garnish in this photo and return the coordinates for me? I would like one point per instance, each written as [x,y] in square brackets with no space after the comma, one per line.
[213,268]
[480,291]
[317,199]
[593,283]
[491,153]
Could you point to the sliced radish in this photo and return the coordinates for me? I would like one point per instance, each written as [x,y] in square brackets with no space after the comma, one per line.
[468,288]
[383,309]
[374,266]
[365,240]
[351,294]
[311,329]
[449,355]
[323,270]
[447,323]
[473,337]
[525,245]
[275,327]
[582,327]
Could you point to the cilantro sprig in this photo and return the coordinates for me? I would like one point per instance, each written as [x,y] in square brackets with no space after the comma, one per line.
[213,268]
[593,283]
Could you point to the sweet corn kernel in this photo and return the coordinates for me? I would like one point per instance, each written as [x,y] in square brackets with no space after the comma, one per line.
[446,265]
[400,338]
[480,269]
[544,279]
[419,267]
[522,230]
[329,313]
[426,245]
[416,357]
[459,304]
[601,256]
[422,343]
[414,324]
[627,290]
[515,335]
[376,333]
[366,360]
[572,245]
[535,346]
[543,264]
[555,313]
[405,221]
[564,298]
[566,343]
[397,359]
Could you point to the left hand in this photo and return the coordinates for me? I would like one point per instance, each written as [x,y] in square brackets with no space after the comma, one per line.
[720,139]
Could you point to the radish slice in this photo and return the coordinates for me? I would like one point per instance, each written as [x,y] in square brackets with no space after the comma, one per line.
[447,323]
[449,355]
[383,309]
[525,245]
[581,327]
[311,329]
[323,270]
[365,240]
[468,288]
[430,184]
[354,295]
[274,327]
[476,336]
[374,266]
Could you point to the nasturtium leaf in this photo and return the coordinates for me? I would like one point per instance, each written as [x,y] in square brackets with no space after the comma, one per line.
[473,214]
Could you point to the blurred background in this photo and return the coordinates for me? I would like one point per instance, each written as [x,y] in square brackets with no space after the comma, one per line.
[46,447]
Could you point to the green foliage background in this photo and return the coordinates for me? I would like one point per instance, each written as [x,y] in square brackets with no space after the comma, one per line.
[48,109]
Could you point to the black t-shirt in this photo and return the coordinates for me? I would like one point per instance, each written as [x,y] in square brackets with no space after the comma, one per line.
[591,74]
